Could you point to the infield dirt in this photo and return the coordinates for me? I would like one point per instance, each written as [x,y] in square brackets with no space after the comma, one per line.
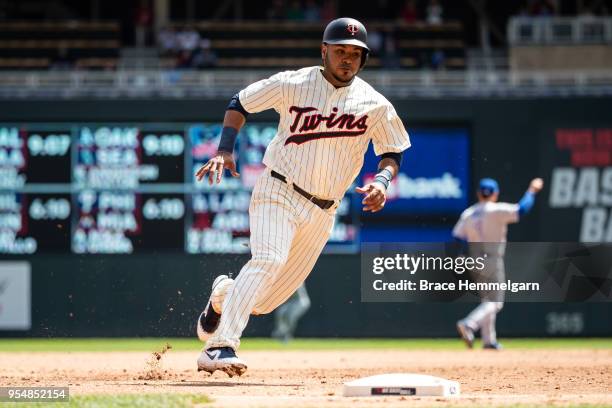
[299,379]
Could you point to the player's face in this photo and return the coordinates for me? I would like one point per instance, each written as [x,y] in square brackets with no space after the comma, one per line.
[342,61]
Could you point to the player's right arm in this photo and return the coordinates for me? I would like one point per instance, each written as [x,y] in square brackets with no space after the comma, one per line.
[257,97]
[224,158]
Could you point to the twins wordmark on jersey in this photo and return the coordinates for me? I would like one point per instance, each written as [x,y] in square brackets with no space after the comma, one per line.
[334,123]
[324,132]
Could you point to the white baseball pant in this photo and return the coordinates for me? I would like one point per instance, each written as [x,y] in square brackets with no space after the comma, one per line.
[288,233]
[483,317]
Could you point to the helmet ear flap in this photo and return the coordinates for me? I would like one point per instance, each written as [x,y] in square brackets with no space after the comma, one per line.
[365,55]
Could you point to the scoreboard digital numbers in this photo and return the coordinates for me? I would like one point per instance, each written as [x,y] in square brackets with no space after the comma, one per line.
[128,183]
[110,188]
[35,207]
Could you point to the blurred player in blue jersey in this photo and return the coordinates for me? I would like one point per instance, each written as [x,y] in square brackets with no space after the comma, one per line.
[486,223]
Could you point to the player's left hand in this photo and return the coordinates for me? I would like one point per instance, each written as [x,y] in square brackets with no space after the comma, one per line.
[375,196]
[536,185]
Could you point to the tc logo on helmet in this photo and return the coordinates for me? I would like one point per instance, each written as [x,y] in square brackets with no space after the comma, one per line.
[352,28]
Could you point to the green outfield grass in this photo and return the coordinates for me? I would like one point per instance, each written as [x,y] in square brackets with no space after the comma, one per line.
[150,344]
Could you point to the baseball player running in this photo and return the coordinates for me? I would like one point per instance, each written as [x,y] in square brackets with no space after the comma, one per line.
[328,116]
[486,223]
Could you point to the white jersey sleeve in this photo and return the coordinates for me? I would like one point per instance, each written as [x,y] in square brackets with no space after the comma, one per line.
[389,134]
[263,95]
[460,230]
[506,213]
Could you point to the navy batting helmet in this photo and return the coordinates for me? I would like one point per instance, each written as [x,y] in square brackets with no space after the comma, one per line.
[347,31]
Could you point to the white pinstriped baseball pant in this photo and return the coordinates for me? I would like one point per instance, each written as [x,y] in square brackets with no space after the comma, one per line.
[288,233]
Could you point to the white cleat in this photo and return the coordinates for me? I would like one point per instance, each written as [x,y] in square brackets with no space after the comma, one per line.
[222,359]
[209,319]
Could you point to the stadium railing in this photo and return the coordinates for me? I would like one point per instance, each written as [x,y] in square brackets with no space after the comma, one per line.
[524,30]
[223,83]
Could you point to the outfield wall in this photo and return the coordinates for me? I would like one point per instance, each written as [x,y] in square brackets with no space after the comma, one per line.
[512,140]
[161,295]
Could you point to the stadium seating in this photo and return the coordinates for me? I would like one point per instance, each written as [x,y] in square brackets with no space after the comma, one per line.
[264,44]
[68,44]
[249,45]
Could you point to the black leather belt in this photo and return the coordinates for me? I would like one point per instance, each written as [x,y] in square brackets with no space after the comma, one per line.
[324,204]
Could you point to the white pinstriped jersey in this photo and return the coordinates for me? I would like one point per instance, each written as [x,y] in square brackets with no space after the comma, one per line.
[324,132]
[321,140]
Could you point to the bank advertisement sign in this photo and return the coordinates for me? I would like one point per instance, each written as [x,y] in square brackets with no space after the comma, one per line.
[434,176]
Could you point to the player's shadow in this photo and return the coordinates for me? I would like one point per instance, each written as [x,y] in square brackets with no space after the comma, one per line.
[227,384]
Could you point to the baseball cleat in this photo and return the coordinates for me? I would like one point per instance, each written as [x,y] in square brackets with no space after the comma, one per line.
[209,319]
[492,346]
[466,333]
[222,359]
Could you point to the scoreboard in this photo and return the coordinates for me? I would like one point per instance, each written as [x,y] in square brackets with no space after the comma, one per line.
[123,188]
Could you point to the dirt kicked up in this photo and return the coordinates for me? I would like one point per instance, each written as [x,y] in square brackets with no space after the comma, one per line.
[314,378]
